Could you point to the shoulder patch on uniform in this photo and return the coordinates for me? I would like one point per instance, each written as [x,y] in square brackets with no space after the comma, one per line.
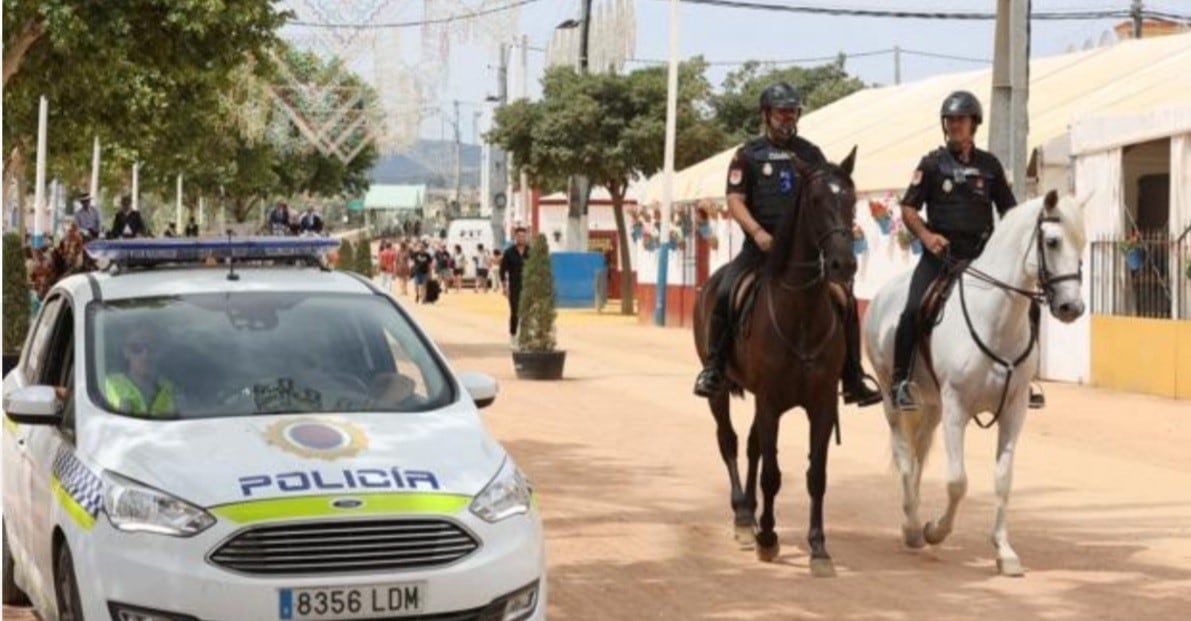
[735,176]
[917,177]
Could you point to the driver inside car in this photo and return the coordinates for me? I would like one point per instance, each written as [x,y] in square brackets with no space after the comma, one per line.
[140,389]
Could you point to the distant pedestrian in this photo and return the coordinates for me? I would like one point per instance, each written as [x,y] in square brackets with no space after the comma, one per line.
[442,266]
[127,222]
[511,265]
[422,262]
[388,266]
[87,218]
[480,259]
[458,266]
[401,266]
[192,228]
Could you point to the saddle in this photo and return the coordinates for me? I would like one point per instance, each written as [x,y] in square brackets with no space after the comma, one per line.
[931,310]
[744,300]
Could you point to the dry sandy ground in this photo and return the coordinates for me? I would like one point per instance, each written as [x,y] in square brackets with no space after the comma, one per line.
[635,498]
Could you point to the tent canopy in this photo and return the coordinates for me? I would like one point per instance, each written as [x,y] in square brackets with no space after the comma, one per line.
[382,196]
[894,126]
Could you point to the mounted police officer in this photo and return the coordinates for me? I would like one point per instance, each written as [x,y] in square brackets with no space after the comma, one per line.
[959,185]
[761,189]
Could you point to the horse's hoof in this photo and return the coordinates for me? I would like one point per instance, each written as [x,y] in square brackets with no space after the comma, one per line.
[767,554]
[1010,567]
[912,537]
[746,536]
[822,568]
[932,534]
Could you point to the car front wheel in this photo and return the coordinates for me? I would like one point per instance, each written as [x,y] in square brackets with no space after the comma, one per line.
[70,605]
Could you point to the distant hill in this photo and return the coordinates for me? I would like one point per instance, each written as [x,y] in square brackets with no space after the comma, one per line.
[431,162]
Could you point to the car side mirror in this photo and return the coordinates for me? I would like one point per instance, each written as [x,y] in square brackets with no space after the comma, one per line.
[33,405]
[482,387]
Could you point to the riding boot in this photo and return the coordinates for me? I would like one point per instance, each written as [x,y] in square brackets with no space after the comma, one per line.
[719,344]
[903,359]
[855,380]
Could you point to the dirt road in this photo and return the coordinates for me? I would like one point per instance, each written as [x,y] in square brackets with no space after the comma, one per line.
[636,505]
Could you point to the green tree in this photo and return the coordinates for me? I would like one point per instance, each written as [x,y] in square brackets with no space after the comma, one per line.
[346,259]
[142,75]
[608,127]
[17,309]
[736,107]
[536,312]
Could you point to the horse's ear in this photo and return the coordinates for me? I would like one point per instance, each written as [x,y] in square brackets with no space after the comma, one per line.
[1051,200]
[849,162]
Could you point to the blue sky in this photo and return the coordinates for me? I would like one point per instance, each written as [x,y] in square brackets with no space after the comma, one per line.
[730,34]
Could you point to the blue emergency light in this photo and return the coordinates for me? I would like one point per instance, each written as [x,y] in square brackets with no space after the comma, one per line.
[144,252]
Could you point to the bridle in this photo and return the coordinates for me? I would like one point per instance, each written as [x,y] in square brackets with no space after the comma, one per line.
[1045,290]
[819,241]
[1043,293]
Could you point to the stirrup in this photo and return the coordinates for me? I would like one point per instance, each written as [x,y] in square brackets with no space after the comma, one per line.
[903,397]
[862,393]
[1037,397]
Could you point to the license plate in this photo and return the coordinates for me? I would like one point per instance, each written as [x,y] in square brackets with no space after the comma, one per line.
[352,602]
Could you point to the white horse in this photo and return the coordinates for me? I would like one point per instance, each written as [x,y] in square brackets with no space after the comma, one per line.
[1034,254]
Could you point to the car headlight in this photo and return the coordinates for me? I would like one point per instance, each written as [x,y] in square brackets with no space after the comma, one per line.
[506,495]
[136,507]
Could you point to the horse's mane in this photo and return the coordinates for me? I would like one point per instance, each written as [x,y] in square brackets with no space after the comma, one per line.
[787,229]
[1016,227]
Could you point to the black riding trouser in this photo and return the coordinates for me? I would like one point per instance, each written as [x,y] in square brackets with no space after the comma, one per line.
[514,306]
[928,269]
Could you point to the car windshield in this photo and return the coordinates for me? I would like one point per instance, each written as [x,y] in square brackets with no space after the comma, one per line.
[210,355]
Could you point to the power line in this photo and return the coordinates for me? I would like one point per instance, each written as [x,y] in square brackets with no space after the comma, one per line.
[808,59]
[422,22]
[975,16]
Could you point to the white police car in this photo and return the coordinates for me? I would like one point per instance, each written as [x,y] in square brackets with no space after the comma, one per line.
[265,442]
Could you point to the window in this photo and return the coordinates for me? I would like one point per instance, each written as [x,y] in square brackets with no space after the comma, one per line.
[198,356]
[39,343]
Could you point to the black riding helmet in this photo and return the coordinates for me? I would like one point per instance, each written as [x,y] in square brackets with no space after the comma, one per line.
[962,103]
[782,96]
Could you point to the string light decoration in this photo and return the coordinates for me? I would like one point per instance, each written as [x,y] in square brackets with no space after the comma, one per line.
[612,38]
[366,35]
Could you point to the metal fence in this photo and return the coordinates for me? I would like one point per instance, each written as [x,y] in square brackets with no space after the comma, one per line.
[1143,275]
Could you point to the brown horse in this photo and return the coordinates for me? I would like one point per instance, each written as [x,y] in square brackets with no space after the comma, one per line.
[792,353]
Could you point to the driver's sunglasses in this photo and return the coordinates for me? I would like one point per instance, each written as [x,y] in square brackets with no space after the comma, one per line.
[137,348]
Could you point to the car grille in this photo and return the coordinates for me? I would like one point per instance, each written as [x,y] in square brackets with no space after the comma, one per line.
[341,547]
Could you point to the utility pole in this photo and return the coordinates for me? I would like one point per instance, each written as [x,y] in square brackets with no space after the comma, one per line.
[579,186]
[458,161]
[497,165]
[663,254]
[897,64]
[523,215]
[1008,119]
[1135,12]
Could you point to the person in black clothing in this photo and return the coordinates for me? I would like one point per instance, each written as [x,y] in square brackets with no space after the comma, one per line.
[442,266]
[170,231]
[421,268]
[762,186]
[959,184]
[192,228]
[311,222]
[511,264]
[128,221]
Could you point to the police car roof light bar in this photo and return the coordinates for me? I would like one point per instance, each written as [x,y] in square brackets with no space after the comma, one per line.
[153,252]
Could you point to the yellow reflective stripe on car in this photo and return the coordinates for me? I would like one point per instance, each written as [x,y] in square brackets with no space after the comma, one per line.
[321,506]
[76,511]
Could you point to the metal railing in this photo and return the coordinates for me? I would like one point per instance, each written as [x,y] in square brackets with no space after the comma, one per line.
[1142,275]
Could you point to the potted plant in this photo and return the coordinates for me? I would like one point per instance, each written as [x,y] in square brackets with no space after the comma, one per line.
[17,309]
[881,215]
[536,356]
[345,257]
[363,260]
[1133,250]
[859,243]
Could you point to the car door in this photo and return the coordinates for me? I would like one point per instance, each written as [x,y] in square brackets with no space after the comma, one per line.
[46,442]
[17,466]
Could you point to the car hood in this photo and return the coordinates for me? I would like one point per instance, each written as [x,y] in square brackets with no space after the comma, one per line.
[221,461]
